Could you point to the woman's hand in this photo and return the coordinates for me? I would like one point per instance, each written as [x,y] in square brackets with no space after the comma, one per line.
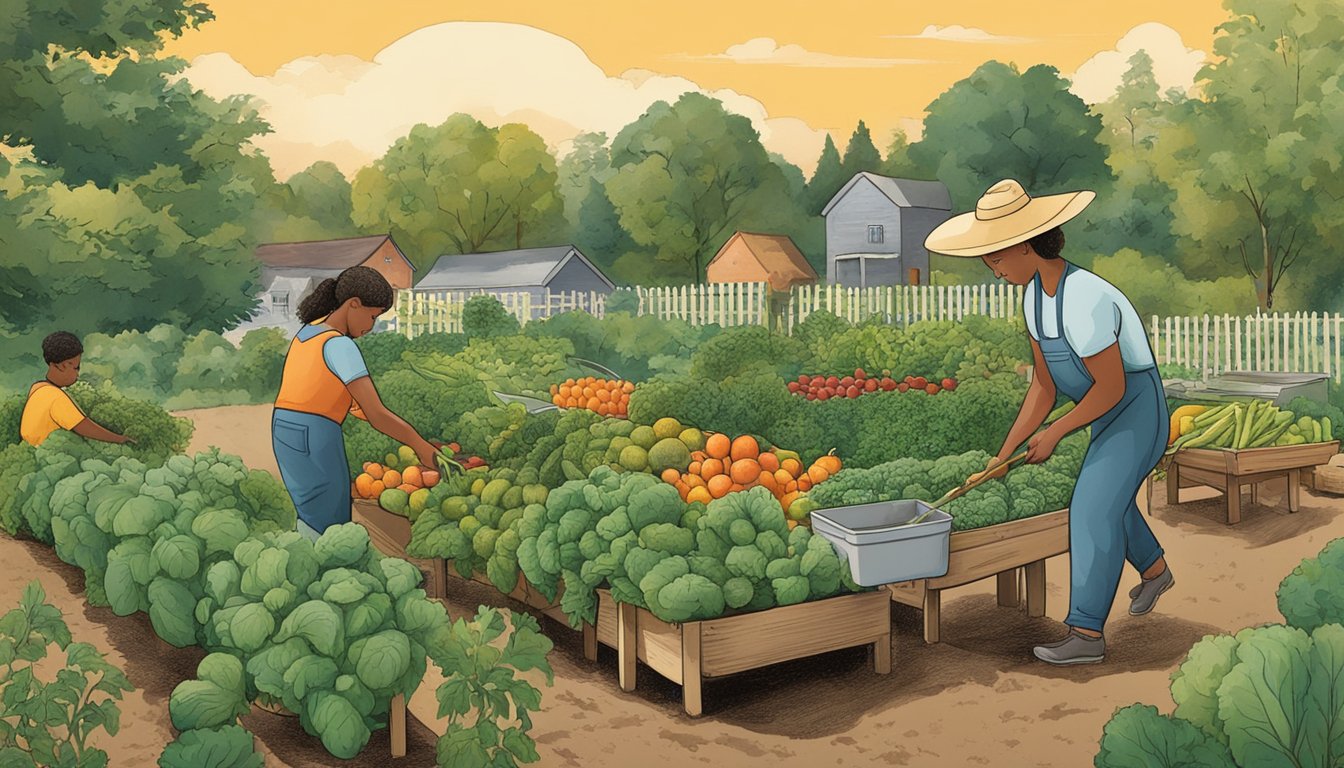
[998,471]
[1042,445]
[427,454]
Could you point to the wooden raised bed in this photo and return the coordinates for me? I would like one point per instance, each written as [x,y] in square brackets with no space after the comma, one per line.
[1229,470]
[688,653]
[999,550]
[390,533]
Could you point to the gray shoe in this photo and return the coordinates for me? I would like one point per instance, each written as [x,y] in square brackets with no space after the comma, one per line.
[1146,593]
[1077,648]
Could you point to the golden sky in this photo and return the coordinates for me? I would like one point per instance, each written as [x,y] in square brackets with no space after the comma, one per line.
[828,64]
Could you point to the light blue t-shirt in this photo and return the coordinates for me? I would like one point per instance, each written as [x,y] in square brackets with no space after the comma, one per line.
[1096,315]
[340,354]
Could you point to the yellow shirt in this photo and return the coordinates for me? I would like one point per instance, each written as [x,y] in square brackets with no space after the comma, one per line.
[48,409]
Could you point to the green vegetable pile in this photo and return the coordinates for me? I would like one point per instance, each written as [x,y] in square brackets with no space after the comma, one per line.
[1252,424]
[1025,491]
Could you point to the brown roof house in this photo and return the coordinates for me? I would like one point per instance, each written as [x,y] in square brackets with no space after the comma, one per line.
[290,271]
[750,257]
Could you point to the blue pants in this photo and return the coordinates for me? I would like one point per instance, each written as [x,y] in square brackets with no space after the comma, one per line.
[311,453]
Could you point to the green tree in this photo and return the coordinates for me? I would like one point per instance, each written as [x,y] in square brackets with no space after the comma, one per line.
[897,163]
[687,176]
[861,154]
[1260,152]
[1000,123]
[599,233]
[462,187]
[827,179]
[586,162]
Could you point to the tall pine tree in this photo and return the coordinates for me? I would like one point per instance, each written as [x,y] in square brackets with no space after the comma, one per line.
[827,179]
[861,155]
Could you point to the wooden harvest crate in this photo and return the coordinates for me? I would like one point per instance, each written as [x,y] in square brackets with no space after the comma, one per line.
[1228,470]
[390,533]
[999,550]
[688,653]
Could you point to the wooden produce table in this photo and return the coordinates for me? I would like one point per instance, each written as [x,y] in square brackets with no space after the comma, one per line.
[1228,470]
[999,550]
[689,652]
[390,533]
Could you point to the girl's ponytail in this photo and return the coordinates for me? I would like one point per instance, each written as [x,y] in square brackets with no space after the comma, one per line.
[320,303]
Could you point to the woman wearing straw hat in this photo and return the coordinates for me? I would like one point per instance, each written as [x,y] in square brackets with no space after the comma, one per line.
[1089,346]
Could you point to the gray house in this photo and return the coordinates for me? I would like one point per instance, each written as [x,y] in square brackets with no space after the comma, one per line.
[542,272]
[875,230]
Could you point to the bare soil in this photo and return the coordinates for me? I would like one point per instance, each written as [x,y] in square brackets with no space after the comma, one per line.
[977,698]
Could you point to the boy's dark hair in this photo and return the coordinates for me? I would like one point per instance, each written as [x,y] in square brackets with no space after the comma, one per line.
[363,283]
[61,346]
[1049,244]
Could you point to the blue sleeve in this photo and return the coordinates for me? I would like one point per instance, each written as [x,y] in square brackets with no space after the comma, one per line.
[1093,323]
[343,359]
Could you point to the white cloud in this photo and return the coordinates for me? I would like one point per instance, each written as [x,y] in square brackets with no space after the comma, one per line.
[955,33]
[764,50]
[349,111]
[1174,65]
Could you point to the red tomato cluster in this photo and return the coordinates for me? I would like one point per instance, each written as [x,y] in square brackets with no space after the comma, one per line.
[826,387]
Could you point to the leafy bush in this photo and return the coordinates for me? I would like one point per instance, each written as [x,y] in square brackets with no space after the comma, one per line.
[635,347]
[484,316]
[157,433]
[48,723]
[381,350]
[737,349]
[818,328]
[1313,594]
[1139,737]
[1301,406]
[622,300]
[485,678]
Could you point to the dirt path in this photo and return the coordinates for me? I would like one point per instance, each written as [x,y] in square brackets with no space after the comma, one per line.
[974,699]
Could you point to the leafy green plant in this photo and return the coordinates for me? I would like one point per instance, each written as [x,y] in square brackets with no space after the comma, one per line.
[50,723]
[1313,594]
[484,316]
[488,704]
[205,711]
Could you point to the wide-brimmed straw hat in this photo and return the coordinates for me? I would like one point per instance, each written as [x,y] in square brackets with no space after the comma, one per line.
[1005,215]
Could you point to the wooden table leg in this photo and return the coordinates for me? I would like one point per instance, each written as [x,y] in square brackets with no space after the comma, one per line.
[1036,588]
[1233,500]
[933,610]
[627,650]
[590,642]
[882,655]
[1174,484]
[691,692]
[1255,493]
[1007,589]
[1294,490]
[397,725]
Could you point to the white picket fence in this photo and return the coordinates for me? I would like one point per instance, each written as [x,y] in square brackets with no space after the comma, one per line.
[1297,342]
[420,312]
[724,304]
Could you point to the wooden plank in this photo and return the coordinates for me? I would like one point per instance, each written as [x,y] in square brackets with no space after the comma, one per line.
[608,624]
[734,643]
[882,654]
[984,561]
[1174,484]
[933,615]
[397,725]
[1294,490]
[1035,588]
[909,593]
[1006,589]
[961,540]
[658,644]
[1191,477]
[1233,502]
[692,690]
[589,642]
[1284,457]
[626,630]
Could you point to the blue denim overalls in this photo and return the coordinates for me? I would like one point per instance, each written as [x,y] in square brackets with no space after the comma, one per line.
[1105,525]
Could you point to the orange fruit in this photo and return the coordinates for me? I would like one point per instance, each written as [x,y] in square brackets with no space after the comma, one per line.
[368,464]
[376,489]
[627,387]
[375,470]
[593,402]
[694,468]
[682,488]
[695,481]
[804,483]
[767,479]
[793,524]
[392,478]
[408,488]
[412,476]
[745,471]
[700,494]
[735,487]
[830,462]
[430,477]
[792,466]
[745,447]
[558,401]
[790,487]
[718,445]
[782,477]
[699,455]
[817,474]
[769,461]
[363,485]
[671,475]
[711,468]
[787,499]
[719,485]
[604,395]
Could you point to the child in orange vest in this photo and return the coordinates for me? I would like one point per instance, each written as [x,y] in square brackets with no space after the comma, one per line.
[49,408]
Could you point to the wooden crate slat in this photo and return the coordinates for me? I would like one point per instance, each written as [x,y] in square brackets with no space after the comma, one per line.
[1013,529]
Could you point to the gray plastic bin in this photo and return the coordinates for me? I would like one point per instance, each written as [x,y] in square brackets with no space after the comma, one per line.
[881,546]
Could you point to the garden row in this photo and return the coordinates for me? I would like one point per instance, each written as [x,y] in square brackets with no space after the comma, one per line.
[331,631]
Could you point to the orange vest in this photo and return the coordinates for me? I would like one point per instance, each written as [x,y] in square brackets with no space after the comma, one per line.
[307,385]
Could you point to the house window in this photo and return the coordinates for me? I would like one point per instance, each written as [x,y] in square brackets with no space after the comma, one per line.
[387,259]
[876,234]
[280,304]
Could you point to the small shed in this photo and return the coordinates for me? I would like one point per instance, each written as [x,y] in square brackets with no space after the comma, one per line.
[290,270]
[752,257]
[541,272]
[875,230]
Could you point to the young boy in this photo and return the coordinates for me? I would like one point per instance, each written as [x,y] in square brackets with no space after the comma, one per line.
[49,408]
